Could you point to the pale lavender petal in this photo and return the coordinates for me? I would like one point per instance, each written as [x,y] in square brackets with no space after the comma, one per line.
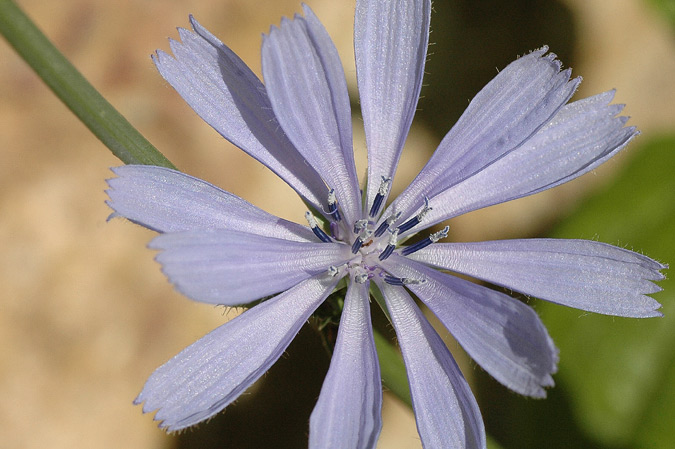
[232,268]
[308,91]
[583,274]
[520,100]
[223,91]
[583,135]
[209,374]
[390,43]
[167,200]
[446,412]
[503,335]
[348,413]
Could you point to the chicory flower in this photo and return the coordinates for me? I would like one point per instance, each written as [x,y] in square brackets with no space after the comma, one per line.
[518,136]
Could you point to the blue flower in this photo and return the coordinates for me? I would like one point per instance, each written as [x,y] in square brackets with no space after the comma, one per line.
[518,136]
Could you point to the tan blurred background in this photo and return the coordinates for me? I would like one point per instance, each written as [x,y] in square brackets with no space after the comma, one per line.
[85,314]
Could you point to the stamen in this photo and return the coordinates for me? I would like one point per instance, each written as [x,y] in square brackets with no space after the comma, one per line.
[386,224]
[332,206]
[361,278]
[333,271]
[316,229]
[433,238]
[360,275]
[417,218]
[393,280]
[360,225]
[363,236]
[379,198]
[389,249]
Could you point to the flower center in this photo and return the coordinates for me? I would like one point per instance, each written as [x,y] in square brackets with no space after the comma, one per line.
[370,245]
[368,250]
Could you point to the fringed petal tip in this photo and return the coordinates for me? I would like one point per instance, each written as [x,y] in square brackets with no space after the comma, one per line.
[112,214]
[165,424]
[546,381]
[283,22]
[631,130]
[542,52]
[658,266]
[543,55]
[541,391]
[657,314]
[145,408]
[116,171]
[652,275]
[195,25]
[110,193]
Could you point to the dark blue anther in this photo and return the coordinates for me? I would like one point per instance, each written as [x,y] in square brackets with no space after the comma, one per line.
[416,246]
[316,229]
[379,198]
[322,235]
[356,246]
[386,224]
[433,238]
[364,235]
[390,246]
[388,250]
[380,229]
[377,203]
[414,221]
[393,280]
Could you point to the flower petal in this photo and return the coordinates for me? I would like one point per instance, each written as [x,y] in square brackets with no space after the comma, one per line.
[224,92]
[446,412]
[503,335]
[348,413]
[212,372]
[583,274]
[506,112]
[390,43]
[583,135]
[232,268]
[167,200]
[308,92]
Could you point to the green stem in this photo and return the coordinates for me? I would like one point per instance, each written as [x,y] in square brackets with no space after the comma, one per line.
[74,90]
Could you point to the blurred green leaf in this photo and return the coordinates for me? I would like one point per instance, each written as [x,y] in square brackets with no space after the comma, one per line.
[392,369]
[620,372]
[665,8]
[492,444]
